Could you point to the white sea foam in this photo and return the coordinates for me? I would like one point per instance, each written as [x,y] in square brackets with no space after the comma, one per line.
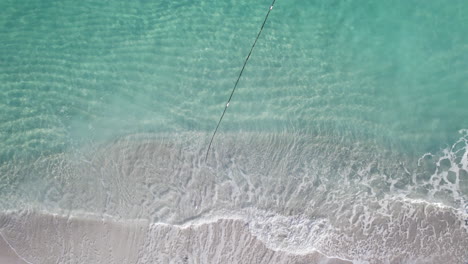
[295,194]
[446,172]
[91,239]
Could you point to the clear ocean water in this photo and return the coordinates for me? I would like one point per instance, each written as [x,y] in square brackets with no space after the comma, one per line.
[350,114]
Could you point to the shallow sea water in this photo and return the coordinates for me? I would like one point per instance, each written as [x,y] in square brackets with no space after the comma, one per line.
[347,134]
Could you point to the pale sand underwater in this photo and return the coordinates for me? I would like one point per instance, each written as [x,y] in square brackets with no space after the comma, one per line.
[163,204]
[346,139]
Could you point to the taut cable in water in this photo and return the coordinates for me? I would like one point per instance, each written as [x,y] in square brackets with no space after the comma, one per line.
[238,78]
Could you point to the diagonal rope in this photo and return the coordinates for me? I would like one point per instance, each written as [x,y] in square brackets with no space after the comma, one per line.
[238,78]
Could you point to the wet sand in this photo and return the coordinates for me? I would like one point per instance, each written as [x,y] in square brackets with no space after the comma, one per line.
[50,238]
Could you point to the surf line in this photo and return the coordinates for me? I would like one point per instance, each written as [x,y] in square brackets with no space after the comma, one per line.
[238,78]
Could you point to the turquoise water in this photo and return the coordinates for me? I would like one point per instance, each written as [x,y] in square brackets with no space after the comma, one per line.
[396,73]
[341,83]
